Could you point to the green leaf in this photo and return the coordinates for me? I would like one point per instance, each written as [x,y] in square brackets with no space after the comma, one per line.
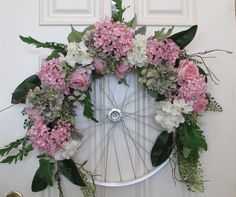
[162,35]
[132,23]
[11,146]
[192,138]
[70,171]
[88,106]
[155,95]
[162,148]
[213,105]
[43,176]
[55,54]
[19,95]
[49,45]
[201,71]
[142,30]
[182,39]
[118,16]
[74,36]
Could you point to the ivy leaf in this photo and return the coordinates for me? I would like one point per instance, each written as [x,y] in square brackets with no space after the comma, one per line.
[192,138]
[142,30]
[182,39]
[19,95]
[49,45]
[74,36]
[88,106]
[162,35]
[43,176]
[70,171]
[162,148]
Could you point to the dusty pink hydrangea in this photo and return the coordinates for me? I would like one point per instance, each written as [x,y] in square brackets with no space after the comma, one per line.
[49,140]
[113,38]
[51,74]
[194,90]
[34,114]
[158,51]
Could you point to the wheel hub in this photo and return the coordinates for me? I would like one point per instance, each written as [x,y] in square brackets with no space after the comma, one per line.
[114,115]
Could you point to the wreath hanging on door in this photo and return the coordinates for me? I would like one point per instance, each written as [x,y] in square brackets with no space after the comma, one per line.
[176,81]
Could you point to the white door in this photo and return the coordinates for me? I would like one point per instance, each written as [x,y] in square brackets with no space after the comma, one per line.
[45,20]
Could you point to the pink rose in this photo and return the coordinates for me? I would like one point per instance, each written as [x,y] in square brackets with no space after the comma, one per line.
[80,79]
[186,70]
[34,114]
[200,105]
[122,70]
[100,66]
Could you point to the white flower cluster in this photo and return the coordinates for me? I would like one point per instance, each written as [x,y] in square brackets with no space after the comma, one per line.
[138,55]
[67,151]
[77,53]
[170,115]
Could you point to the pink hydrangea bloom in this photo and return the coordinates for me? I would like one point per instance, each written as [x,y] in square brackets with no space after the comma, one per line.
[51,74]
[49,140]
[113,38]
[80,79]
[194,89]
[158,51]
[186,70]
[34,114]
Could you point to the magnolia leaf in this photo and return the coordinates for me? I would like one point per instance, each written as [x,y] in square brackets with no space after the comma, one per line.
[19,95]
[75,36]
[70,171]
[162,148]
[162,35]
[142,30]
[43,176]
[182,39]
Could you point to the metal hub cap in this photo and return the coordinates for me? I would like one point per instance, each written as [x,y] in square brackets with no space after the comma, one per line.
[114,115]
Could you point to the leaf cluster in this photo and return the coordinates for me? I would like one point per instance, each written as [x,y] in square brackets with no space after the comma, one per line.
[88,106]
[22,152]
[213,105]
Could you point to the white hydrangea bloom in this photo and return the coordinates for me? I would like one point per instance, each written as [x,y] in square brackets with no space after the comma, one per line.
[67,151]
[170,115]
[137,56]
[77,53]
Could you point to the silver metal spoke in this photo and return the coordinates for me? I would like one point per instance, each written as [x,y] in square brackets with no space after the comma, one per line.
[127,144]
[135,145]
[107,96]
[117,160]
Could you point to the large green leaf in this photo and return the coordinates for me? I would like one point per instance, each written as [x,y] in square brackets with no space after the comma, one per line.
[38,44]
[43,176]
[19,95]
[162,148]
[182,39]
[74,36]
[70,171]
[192,139]
[88,106]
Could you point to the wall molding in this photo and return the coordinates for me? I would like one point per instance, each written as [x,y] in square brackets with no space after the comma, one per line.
[54,12]
[183,15]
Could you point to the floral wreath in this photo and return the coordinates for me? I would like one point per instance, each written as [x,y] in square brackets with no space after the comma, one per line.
[114,47]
